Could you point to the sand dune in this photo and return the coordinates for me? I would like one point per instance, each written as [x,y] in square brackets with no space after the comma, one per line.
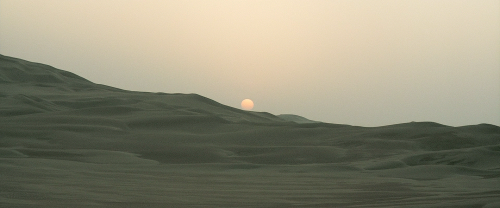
[296,118]
[65,141]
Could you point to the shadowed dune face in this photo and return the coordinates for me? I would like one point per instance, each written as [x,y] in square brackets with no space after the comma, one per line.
[20,71]
[60,130]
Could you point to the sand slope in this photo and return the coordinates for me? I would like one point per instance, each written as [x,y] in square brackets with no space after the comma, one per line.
[65,141]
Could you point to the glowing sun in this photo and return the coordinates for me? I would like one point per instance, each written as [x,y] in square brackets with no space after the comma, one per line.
[247,104]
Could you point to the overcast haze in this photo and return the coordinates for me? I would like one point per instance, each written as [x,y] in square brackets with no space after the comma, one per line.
[367,63]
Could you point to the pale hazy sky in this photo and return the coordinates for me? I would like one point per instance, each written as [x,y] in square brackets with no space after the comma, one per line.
[367,63]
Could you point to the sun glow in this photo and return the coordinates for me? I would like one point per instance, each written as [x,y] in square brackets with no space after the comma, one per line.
[247,104]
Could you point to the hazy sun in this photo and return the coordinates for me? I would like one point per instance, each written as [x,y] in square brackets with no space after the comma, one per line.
[247,104]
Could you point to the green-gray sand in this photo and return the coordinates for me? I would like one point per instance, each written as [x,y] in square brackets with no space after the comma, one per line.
[65,141]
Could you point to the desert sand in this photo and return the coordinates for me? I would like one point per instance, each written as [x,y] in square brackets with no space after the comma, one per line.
[68,142]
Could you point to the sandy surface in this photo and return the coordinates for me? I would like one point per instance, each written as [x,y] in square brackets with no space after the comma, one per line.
[67,142]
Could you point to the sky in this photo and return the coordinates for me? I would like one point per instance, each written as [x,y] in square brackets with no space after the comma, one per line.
[357,62]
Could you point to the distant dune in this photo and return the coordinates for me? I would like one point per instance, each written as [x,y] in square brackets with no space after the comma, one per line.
[296,118]
[66,142]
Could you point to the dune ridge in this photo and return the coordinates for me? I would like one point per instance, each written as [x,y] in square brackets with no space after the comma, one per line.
[65,141]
